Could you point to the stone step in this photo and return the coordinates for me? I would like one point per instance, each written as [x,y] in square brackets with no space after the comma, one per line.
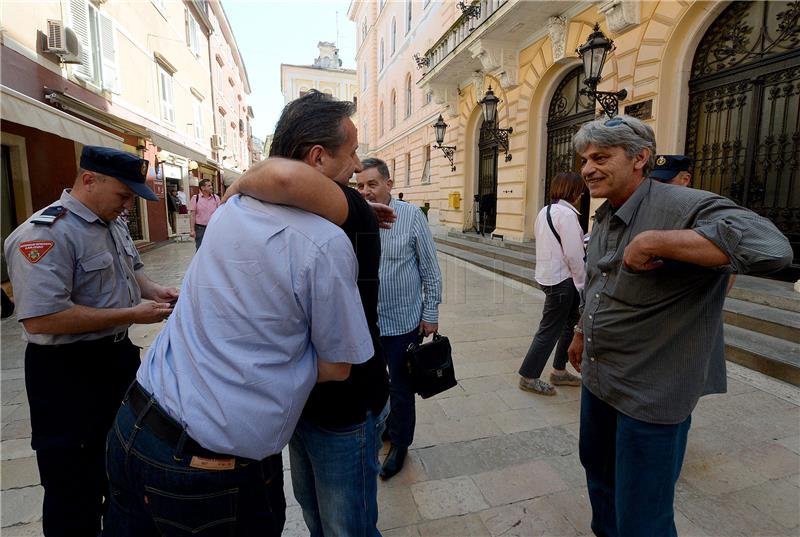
[767,320]
[528,247]
[758,335]
[772,356]
[517,257]
[771,293]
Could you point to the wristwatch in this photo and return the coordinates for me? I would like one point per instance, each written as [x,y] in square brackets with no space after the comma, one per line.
[577,329]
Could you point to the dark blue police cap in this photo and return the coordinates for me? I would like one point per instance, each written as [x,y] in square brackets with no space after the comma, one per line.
[668,166]
[124,167]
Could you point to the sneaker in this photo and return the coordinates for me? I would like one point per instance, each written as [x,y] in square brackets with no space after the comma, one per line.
[564,379]
[536,386]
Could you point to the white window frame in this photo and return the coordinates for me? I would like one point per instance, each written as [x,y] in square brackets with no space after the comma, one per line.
[408,16]
[197,110]
[380,57]
[409,101]
[408,169]
[393,34]
[426,169]
[166,94]
[97,35]
[192,34]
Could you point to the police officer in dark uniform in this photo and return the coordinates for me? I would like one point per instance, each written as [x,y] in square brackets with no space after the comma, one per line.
[78,284]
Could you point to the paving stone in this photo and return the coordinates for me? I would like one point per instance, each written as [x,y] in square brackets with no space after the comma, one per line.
[17,429]
[13,384]
[19,473]
[487,454]
[396,507]
[15,373]
[489,384]
[791,443]
[486,369]
[460,526]
[22,506]
[34,529]
[8,411]
[727,517]
[469,406]
[569,469]
[720,475]
[413,472]
[454,430]
[531,518]
[295,525]
[574,505]
[407,531]
[519,482]
[447,498]
[514,421]
[777,500]
[19,448]
[686,528]
[771,460]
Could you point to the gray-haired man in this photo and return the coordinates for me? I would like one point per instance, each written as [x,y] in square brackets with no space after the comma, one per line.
[657,265]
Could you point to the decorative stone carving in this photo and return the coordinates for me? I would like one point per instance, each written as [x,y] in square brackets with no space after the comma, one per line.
[498,59]
[477,83]
[444,94]
[557,28]
[621,15]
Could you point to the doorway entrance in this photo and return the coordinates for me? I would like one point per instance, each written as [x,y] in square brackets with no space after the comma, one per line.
[744,114]
[568,111]
[486,196]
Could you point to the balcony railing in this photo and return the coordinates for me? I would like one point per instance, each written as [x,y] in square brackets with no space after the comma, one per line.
[459,31]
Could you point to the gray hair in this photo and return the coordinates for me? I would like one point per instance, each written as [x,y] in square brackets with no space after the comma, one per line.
[630,134]
[383,169]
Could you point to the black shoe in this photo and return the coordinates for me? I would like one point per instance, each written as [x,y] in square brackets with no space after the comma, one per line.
[393,462]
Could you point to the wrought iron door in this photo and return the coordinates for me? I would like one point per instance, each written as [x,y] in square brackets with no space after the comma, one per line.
[487,181]
[568,111]
[744,113]
[135,221]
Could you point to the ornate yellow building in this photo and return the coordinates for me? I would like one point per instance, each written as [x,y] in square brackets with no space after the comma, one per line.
[719,81]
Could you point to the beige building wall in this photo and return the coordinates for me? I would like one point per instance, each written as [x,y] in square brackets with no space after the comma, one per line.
[523,50]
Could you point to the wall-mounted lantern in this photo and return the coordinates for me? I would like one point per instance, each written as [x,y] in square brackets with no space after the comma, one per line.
[489,105]
[439,128]
[593,53]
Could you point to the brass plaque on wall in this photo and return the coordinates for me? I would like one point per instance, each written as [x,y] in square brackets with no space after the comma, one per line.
[642,110]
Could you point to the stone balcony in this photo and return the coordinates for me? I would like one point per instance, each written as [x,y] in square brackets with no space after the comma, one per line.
[490,44]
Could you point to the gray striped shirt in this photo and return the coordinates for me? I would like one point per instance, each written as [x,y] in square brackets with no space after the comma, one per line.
[650,336]
[411,283]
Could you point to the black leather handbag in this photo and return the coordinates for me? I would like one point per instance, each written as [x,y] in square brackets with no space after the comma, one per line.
[431,366]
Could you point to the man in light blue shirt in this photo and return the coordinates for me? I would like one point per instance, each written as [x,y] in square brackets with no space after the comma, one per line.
[408,300]
[269,307]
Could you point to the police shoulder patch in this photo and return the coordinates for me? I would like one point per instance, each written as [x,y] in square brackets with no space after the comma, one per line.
[34,251]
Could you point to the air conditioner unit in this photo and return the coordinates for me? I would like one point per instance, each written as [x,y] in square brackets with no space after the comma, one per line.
[62,41]
[216,142]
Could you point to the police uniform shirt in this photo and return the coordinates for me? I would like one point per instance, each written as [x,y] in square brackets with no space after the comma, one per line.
[78,259]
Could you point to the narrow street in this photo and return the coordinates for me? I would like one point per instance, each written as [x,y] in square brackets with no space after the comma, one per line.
[489,459]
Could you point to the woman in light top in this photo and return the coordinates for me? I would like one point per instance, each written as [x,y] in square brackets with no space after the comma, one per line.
[560,272]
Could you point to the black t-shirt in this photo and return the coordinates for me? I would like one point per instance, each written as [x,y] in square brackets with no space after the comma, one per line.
[341,404]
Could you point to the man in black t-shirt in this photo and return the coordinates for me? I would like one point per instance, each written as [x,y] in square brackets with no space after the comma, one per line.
[334,450]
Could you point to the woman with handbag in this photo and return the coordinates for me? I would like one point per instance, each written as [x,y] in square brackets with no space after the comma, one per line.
[561,273]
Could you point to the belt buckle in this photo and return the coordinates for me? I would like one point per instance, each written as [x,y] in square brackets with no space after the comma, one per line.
[120,336]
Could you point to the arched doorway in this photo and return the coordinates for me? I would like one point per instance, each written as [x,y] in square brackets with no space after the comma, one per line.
[568,111]
[487,180]
[743,129]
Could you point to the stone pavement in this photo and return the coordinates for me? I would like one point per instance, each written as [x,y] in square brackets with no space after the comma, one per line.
[489,459]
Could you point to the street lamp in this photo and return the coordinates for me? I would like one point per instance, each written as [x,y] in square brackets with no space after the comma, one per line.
[489,105]
[439,128]
[593,53]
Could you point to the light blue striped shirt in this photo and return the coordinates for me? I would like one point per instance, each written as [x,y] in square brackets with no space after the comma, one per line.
[411,283]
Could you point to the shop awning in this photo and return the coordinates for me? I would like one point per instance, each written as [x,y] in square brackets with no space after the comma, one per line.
[19,108]
[175,147]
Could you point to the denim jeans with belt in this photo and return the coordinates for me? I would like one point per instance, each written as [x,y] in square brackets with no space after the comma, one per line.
[335,476]
[631,470]
[155,491]
[559,316]
[402,417]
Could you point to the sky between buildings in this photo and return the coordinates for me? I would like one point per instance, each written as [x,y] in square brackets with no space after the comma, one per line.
[272,32]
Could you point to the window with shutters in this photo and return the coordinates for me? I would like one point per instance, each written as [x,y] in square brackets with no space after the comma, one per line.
[165,94]
[408,169]
[192,34]
[380,119]
[380,57]
[197,109]
[223,132]
[394,35]
[408,16]
[408,96]
[393,117]
[95,32]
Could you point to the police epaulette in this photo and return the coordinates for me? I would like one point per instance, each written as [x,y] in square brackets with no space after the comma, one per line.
[49,215]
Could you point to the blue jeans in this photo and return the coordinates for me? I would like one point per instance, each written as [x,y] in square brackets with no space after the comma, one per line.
[199,231]
[154,491]
[402,417]
[631,470]
[335,476]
